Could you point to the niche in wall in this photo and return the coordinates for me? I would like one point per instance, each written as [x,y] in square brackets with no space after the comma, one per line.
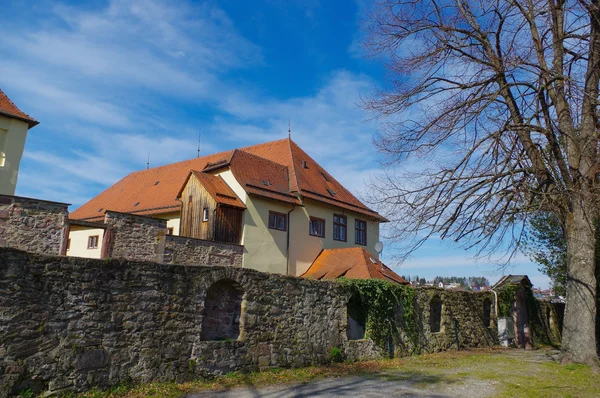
[222,311]
[435,314]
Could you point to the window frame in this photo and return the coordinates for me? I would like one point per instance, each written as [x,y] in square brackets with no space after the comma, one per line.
[205,214]
[310,229]
[277,214]
[356,230]
[338,224]
[90,246]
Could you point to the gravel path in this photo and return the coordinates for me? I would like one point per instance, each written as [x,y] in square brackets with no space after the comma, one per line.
[385,384]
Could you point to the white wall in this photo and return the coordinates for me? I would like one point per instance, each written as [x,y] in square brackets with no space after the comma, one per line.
[79,236]
[173,220]
[13,134]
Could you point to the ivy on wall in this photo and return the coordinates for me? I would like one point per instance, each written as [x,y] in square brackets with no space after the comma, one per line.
[506,299]
[373,301]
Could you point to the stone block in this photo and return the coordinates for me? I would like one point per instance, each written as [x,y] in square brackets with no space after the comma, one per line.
[92,359]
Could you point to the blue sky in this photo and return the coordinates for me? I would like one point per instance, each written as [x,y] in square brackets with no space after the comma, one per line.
[111,81]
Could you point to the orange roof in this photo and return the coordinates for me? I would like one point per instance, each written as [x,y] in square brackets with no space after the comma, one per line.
[263,177]
[351,262]
[217,188]
[9,109]
[151,191]
[275,170]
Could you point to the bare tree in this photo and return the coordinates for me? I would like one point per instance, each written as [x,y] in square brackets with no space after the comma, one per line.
[501,98]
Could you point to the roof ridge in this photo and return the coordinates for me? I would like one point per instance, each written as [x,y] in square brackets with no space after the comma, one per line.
[367,260]
[293,171]
[179,162]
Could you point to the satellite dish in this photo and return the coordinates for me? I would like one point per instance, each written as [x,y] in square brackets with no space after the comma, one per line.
[379,247]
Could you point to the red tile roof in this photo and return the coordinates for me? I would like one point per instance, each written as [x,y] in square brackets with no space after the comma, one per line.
[311,181]
[352,262]
[9,109]
[279,163]
[217,188]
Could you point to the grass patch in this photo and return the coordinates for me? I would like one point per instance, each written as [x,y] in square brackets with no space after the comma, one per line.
[509,373]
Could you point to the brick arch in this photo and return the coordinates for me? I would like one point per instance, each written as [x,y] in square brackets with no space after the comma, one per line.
[222,311]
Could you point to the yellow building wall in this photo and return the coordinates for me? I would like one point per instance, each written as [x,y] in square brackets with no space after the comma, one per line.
[304,248]
[13,134]
[78,235]
[264,249]
[172,220]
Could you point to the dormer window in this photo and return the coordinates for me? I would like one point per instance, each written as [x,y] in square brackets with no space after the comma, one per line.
[331,191]
[325,176]
[266,183]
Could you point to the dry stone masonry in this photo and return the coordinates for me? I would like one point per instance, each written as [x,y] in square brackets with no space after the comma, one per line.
[135,237]
[189,251]
[32,225]
[70,324]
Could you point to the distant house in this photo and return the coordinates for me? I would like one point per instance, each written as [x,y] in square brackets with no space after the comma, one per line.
[448,285]
[14,125]
[272,198]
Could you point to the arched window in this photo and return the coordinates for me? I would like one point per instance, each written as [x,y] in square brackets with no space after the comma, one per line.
[487,312]
[435,314]
[222,311]
[356,320]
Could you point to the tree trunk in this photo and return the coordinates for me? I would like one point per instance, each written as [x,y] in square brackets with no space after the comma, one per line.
[579,328]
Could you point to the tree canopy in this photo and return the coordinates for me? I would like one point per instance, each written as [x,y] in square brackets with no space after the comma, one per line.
[497,101]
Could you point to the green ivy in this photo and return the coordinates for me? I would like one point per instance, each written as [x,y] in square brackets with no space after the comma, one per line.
[374,301]
[506,299]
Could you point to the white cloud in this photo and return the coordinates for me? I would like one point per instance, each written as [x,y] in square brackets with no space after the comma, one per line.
[111,84]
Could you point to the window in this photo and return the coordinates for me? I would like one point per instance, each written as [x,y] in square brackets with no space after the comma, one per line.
[340,227]
[170,231]
[360,237]
[93,242]
[277,221]
[317,227]
[205,214]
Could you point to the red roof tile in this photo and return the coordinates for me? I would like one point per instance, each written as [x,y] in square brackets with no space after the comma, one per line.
[9,109]
[217,188]
[263,177]
[274,170]
[352,262]
[151,189]
[312,181]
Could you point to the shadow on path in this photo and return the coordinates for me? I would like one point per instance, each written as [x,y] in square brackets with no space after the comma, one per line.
[400,384]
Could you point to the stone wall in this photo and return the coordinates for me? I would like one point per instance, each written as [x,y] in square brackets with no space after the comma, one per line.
[134,237]
[189,251]
[462,324]
[32,225]
[70,323]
